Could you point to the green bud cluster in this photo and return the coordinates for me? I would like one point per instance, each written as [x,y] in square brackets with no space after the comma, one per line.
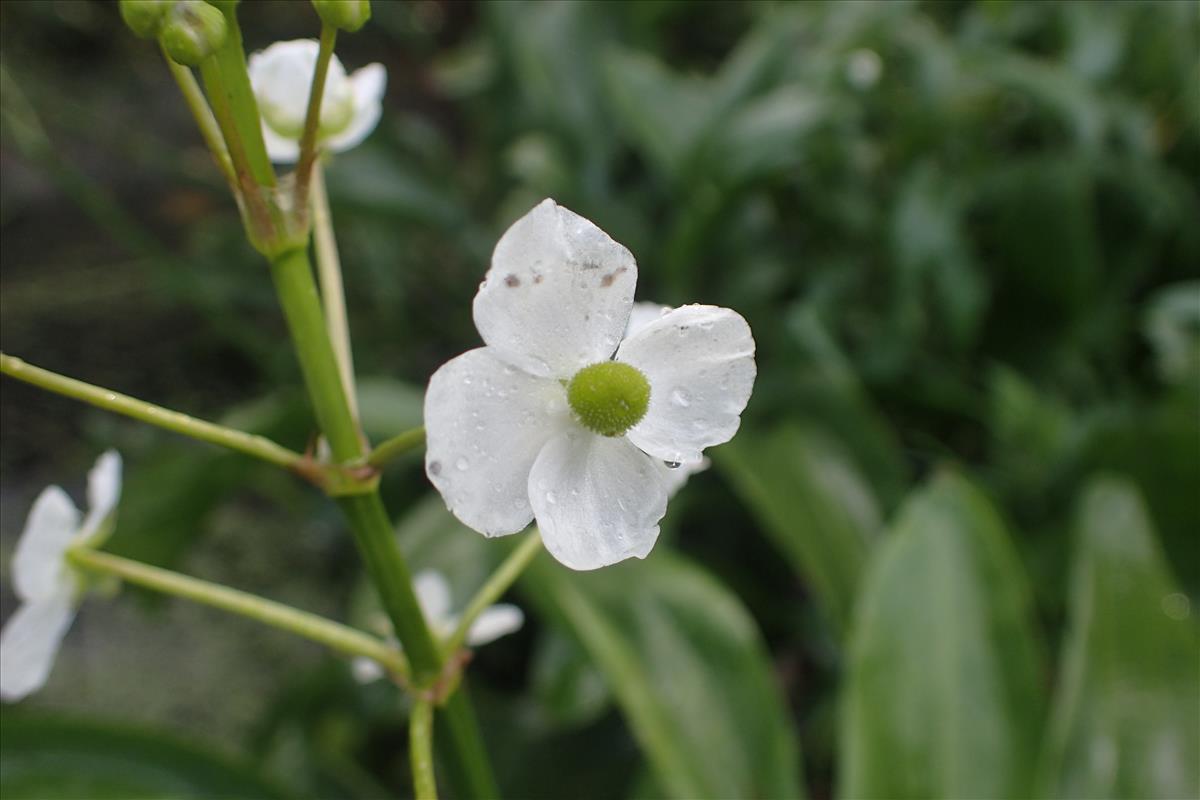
[346,15]
[190,30]
[609,398]
[145,17]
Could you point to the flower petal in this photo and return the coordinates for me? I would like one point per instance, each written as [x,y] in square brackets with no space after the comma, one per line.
[485,422]
[433,593]
[366,670]
[104,490]
[700,364]
[558,293]
[281,76]
[29,643]
[368,85]
[495,621]
[38,569]
[280,149]
[597,500]
[642,315]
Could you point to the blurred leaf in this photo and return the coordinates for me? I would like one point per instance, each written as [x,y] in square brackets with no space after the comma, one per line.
[388,407]
[566,683]
[1125,721]
[663,113]
[931,249]
[765,136]
[1156,447]
[1173,328]
[813,504]
[688,668]
[168,496]
[942,696]
[49,759]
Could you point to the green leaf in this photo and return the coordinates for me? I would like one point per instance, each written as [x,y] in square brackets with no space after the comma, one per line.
[48,759]
[688,669]
[813,504]
[566,683]
[942,693]
[1125,721]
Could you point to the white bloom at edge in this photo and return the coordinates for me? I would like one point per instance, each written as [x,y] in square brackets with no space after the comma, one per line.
[504,446]
[43,581]
[433,594]
[282,76]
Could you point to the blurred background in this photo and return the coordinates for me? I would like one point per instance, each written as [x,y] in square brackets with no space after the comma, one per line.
[964,234]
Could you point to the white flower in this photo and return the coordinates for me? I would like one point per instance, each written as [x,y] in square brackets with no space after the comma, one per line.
[43,581]
[433,594]
[560,420]
[281,77]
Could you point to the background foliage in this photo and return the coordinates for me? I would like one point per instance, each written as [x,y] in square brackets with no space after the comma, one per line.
[953,552]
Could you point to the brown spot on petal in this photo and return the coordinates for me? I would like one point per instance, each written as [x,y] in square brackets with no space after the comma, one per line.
[608,279]
[512,281]
[537,278]
[435,468]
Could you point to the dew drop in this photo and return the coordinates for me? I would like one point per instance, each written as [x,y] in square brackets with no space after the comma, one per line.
[551,498]
[671,464]
[461,465]
[466,380]
[681,398]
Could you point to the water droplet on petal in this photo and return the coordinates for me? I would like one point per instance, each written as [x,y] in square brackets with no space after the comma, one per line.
[681,398]
[461,465]
[551,498]
[671,464]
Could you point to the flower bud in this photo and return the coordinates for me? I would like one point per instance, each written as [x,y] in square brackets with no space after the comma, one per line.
[145,17]
[347,15]
[193,31]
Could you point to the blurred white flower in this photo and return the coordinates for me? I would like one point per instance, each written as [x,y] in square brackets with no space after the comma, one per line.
[281,77]
[43,581]
[863,68]
[433,594]
[561,419]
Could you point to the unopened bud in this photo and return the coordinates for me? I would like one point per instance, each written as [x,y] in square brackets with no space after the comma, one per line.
[145,17]
[193,31]
[346,15]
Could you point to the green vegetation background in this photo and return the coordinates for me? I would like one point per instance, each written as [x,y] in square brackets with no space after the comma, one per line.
[954,551]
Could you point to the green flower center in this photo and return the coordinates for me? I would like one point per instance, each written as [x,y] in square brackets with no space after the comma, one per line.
[609,398]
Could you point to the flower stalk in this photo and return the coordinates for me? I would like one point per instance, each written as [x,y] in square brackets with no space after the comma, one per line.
[396,446]
[338,637]
[369,521]
[333,293]
[240,441]
[420,741]
[203,115]
[312,119]
[499,582]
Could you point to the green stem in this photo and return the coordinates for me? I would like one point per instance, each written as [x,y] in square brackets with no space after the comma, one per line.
[334,635]
[396,446]
[203,115]
[333,293]
[467,760]
[260,222]
[302,307]
[420,741]
[496,585]
[312,118]
[242,104]
[250,444]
